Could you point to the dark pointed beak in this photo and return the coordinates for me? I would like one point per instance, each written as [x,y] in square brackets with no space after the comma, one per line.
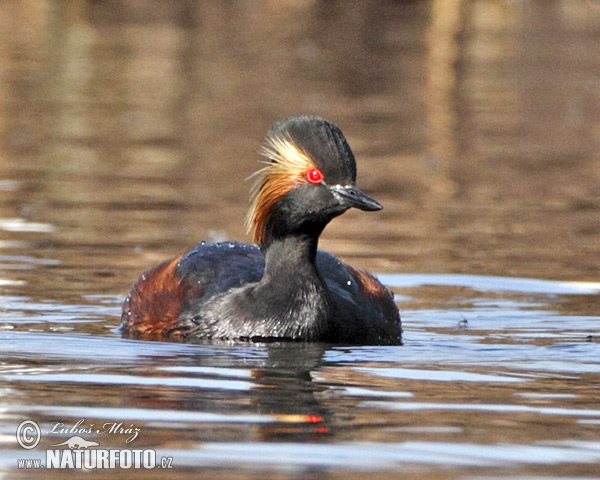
[352,196]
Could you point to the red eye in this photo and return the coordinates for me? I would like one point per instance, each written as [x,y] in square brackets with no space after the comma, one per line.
[314,175]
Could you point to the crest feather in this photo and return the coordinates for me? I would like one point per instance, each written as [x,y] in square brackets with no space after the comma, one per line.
[285,170]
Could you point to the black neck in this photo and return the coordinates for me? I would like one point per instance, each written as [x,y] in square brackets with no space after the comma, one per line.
[293,255]
[291,290]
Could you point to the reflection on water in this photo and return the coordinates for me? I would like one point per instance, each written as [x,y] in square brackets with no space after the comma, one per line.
[497,381]
[127,129]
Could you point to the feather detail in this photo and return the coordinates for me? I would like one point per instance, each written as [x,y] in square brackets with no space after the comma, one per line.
[285,171]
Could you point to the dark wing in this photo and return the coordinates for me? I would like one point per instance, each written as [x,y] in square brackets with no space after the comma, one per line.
[218,267]
[364,311]
[161,294]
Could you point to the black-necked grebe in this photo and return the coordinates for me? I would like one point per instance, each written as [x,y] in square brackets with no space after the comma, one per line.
[284,288]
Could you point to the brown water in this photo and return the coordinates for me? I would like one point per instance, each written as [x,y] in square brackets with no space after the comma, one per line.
[127,129]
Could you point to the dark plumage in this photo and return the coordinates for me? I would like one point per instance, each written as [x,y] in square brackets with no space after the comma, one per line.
[284,288]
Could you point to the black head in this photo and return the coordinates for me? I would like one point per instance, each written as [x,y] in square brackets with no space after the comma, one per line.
[309,179]
[323,143]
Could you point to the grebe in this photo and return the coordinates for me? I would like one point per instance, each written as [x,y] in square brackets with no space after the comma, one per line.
[283,288]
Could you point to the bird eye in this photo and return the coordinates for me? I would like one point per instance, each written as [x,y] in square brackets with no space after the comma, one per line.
[314,175]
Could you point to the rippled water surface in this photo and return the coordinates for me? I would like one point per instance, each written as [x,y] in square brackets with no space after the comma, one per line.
[126,132]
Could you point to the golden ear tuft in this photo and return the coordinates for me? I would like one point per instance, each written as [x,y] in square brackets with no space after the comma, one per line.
[285,170]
